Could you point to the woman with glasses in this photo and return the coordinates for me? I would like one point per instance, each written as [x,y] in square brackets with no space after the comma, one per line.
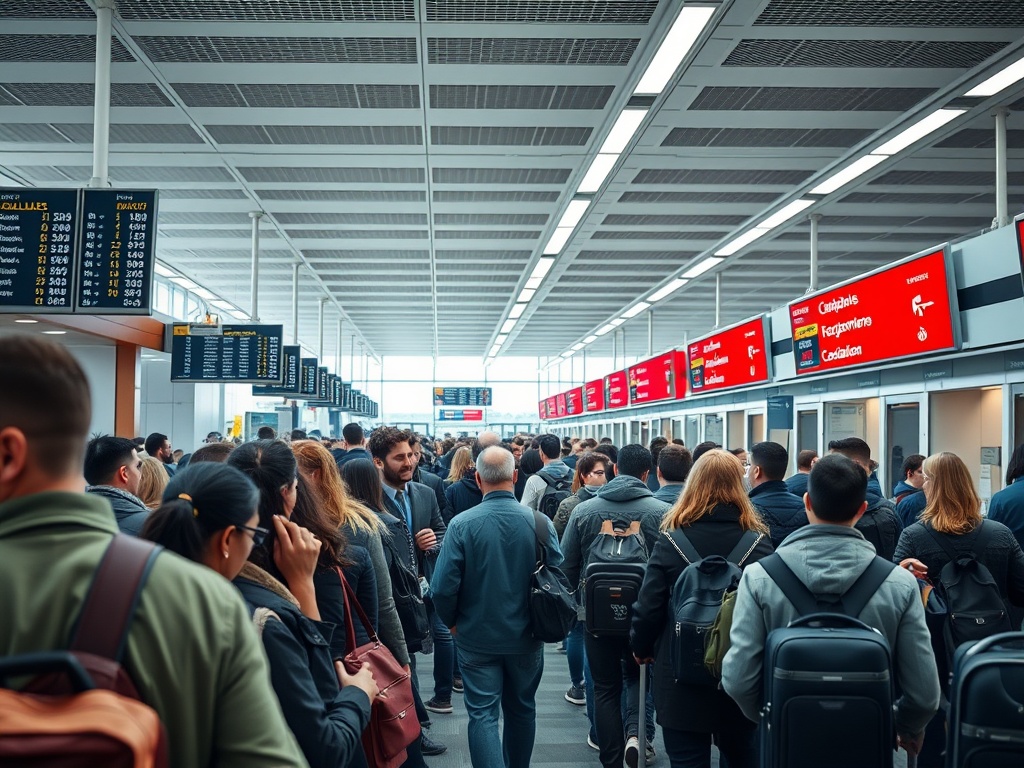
[592,471]
[326,708]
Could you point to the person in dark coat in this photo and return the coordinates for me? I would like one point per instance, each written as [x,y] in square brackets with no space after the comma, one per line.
[797,484]
[113,470]
[1007,506]
[880,524]
[781,511]
[715,512]
[429,479]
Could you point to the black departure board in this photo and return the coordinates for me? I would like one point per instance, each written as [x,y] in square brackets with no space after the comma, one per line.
[334,387]
[231,353]
[290,384]
[115,272]
[322,383]
[37,249]
[310,372]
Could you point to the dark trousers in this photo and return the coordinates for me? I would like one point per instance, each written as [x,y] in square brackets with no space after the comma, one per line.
[613,668]
[690,749]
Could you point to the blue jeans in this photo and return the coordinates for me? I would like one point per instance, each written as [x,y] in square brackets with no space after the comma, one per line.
[505,682]
[648,710]
[576,653]
[689,749]
[444,656]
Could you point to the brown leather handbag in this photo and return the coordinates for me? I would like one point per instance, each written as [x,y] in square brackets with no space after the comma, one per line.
[393,722]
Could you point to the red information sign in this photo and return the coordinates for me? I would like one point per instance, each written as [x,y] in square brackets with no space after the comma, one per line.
[654,379]
[552,407]
[542,409]
[560,404]
[904,310]
[734,357]
[574,402]
[616,390]
[593,394]
[1019,224]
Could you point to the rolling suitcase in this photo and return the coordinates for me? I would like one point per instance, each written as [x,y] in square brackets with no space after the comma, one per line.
[827,680]
[986,704]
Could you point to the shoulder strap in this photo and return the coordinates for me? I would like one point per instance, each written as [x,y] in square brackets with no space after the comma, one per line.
[102,625]
[349,600]
[548,480]
[539,524]
[866,585]
[744,547]
[682,545]
[944,545]
[795,590]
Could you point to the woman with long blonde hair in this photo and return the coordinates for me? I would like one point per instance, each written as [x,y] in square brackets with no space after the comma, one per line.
[361,527]
[462,462]
[154,480]
[712,516]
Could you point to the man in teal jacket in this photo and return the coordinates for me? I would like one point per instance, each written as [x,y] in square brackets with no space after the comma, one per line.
[192,650]
[480,588]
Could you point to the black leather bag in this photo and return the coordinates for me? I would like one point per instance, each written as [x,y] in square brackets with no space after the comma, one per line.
[552,607]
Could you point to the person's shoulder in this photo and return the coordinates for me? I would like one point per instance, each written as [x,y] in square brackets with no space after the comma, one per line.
[176,585]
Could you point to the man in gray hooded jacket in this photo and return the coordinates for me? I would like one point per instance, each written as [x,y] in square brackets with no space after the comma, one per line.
[828,556]
[113,470]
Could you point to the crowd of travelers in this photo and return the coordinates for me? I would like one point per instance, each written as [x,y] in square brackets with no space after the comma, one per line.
[295,580]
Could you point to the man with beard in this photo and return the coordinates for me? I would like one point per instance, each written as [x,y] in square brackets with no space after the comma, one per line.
[159,447]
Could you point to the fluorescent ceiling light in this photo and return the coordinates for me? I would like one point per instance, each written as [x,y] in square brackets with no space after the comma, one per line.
[668,288]
[494,350]
[742,241]
[918,131]
[542,268]
[677,43]
[787,213]
[999,81]
[184,282]
[848,174]
[578,347]
[590,339]
[54,333]
[617,322]
[508,326]
[605,329]
[533,283]
[558,240]
[702,267]
[164,271]
[525,295]
[599,170]
[621,133]
[636,309]
[26,320]
[568,353]
[517,311]
[202,293]
[574,213]
[501,339]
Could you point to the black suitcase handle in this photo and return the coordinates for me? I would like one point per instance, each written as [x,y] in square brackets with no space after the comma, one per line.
[42,663]
[835,620]
[1002,640]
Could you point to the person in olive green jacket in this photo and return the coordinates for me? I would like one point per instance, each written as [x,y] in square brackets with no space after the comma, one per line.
[192,650]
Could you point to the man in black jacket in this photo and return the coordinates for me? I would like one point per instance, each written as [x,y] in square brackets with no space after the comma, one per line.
[113,470]
[429,479]
[782,511]
[880,524]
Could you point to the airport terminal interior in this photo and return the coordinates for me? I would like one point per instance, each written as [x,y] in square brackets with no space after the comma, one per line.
[733,221]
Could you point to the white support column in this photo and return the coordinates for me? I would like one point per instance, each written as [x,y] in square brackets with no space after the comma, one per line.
[337,346]
[815,222]
[1002,218]
[254,297]
[650,332]
[101,96]
[352,360]
[615,350]
[320,331]
[295,301]
[718,300]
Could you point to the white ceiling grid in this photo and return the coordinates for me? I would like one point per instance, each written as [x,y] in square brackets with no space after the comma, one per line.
[418,154]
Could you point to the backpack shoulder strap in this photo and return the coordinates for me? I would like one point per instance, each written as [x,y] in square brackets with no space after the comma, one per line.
[682,545]
[981,541]
[549,481]
[102,625]
[744,547]
[795,590]
[866,585]
[539,521]
[939,539]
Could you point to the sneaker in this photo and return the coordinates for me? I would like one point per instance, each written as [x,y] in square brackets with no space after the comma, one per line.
[561,647]
[576,695]
[632,752]
[457,685]
[651,754]
[441,706]
[592,744]
[431,748]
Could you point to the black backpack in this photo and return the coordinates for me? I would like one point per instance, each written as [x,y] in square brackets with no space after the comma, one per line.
[611,581]
[696,600]
[974,607]
[552,605]
[408,597]
[554,494]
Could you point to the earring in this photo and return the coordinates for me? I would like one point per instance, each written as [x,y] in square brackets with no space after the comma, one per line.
[225,554]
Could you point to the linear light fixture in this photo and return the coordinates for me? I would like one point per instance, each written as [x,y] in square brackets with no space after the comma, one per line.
[848,174]
[204,294]
[635,310]
[533,283]
[525,295]
[184,282]
[780,217]
[558,240]
[494,350]
[622,132]
[1000,81]
[605,329]
[164,271]
[667,289]
[517,311]
[501,339]
[590,339]
[698,270]
[742,241]
[542,268]
[574,212]
[677,44]
[918,131]
[569,353]
[617,322]
[221,304]
[599,170]
[578,347]
[507,326]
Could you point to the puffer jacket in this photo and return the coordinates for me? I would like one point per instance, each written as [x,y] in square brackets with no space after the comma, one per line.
[880,524]
[462,495]
[130,512]
[782,511]
[828,559]
[568,505]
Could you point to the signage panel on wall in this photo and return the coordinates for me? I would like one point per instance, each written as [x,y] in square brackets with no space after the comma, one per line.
[733,357]
[904,310]
[542,409]
[593,395]
[465,414]
[478,396]
[552,407]
[232,353]
[560,406]
[616,390]
[574,402]
[655,379]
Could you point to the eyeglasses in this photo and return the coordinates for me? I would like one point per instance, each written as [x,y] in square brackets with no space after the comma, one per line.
[258,534]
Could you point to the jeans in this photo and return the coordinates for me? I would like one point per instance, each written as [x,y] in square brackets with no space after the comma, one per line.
[690,749]
[613,667]
[505,682]
[648,710]
[444,656]
[576,653]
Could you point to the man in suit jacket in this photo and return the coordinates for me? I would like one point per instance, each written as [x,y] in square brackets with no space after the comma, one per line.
[416,504]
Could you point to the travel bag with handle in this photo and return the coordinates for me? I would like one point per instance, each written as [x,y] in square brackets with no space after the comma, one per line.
[828,688]
[986,704]
[80,709]
[552,606]
[393,723]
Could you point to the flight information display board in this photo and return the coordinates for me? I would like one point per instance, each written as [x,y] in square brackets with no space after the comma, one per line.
[900,311]
[574,402]
[593,395]
[465,414]
[616,390]
[115,271]
[654,379]
[232,353]
[292,368]
[733,357]
[37,249]
[478,396]
[322,383]
[310,372]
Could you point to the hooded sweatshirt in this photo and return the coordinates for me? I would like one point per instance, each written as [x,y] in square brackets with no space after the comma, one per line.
[828,559]
[535,486]
[129,510]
